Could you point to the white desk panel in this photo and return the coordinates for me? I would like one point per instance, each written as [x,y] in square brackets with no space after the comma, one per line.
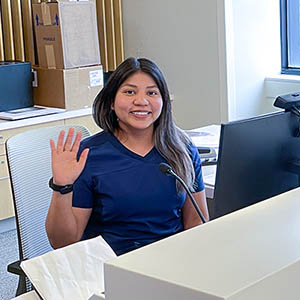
[243,255]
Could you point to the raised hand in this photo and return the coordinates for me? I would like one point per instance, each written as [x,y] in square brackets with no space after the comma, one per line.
[65,167]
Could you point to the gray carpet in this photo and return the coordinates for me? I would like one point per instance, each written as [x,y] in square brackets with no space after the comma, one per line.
[8,254]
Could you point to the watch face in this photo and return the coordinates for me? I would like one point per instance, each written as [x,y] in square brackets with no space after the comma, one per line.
[66,189]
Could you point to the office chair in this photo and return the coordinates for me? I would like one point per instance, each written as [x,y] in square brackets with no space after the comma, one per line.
[29,163]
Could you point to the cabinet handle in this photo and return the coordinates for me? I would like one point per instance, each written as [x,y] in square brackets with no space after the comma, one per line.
[4,178]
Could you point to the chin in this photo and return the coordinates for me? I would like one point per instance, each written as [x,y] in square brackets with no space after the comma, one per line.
[142,126]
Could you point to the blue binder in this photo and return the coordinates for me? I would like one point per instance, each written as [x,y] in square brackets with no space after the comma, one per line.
[15,85]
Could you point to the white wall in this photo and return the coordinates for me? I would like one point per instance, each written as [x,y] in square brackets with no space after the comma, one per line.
[182,38]
[215,54]
[256,31]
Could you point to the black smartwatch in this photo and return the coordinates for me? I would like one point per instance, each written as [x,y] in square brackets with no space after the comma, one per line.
[63,189]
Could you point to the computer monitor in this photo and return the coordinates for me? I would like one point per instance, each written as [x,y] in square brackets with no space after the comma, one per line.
[254,161]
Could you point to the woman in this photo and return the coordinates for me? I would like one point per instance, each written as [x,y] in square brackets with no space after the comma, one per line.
[118,190]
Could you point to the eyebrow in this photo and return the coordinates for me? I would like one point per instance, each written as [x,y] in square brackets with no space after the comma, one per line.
[135,86]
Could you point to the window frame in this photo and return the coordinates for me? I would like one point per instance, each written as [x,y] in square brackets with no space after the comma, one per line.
[285,68]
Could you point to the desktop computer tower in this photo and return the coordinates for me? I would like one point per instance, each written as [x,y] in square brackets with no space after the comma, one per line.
[15,85]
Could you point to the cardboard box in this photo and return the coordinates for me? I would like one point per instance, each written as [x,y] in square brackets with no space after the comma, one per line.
[68,88]
[66,34]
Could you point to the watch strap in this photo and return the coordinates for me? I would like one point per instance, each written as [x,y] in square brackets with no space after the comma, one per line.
[63,189]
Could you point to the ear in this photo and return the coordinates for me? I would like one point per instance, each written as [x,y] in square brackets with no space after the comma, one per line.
[112,106]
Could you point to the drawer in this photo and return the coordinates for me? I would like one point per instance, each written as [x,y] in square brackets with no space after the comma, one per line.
[5,134]
[6,200]
[2,142]
[86,121]
[3,167]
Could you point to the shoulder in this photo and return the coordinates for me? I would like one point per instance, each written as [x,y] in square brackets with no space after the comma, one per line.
[190,146]
[193,150]
[95,140]
[194,154]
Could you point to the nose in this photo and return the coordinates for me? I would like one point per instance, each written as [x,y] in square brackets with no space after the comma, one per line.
[140,99]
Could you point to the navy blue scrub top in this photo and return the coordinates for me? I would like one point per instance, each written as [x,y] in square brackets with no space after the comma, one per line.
[133,203]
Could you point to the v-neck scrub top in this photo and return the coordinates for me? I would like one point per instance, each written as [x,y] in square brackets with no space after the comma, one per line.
[133,203]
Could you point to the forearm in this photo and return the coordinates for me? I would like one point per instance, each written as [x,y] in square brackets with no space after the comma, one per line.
[190,215]
[64,224]
[194,220]
[61,224]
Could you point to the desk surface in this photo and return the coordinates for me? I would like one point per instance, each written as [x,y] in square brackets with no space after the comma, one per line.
[5,125]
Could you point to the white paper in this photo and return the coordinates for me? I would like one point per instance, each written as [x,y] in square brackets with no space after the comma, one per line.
[97,296]
[32,295]
[96,78]
[73,272]
[207,136]
[210,179]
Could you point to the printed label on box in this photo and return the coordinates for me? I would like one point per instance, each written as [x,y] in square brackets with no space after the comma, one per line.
[96,78]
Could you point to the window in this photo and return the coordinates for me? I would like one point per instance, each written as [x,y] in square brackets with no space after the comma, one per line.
[290,36]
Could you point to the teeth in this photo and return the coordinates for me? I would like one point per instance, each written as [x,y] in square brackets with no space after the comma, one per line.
[140,113]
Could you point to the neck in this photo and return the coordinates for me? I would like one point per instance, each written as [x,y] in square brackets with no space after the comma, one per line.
[139,141]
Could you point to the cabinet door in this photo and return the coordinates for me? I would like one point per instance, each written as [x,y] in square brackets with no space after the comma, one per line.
[86,121]
[6,200]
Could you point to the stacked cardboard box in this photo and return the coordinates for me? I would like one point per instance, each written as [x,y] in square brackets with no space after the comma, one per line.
[69,74]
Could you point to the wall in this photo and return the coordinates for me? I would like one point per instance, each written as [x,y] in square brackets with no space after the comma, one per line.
[280,85]
[256,31]
[215,54]
[182,38]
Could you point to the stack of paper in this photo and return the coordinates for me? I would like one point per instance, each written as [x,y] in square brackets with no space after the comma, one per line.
[207,136]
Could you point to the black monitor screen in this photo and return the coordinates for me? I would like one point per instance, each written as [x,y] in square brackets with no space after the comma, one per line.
[254,161]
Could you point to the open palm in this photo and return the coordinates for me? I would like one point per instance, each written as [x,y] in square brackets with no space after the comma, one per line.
[65,167]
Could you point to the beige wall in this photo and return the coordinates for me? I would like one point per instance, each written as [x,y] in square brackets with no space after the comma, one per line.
[183,38]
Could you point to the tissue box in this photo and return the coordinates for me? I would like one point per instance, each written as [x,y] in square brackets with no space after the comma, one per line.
[72,272]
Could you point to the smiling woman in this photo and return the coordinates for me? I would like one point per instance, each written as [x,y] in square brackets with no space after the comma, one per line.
[118,190]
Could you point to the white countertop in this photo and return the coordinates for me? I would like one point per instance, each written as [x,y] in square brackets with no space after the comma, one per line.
[4,124]
[253,253]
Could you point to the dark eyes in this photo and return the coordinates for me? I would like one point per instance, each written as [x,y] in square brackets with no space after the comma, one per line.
[132,92]
[152,93]
[129,92]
